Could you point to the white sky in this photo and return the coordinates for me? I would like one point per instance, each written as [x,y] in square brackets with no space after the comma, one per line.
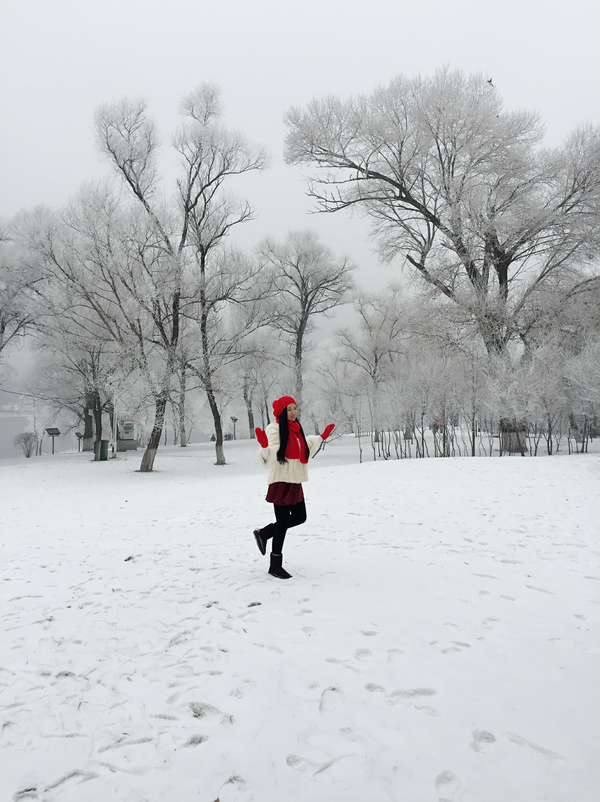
[59,60]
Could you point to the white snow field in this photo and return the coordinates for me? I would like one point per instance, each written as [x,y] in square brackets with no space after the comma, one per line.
[439,639]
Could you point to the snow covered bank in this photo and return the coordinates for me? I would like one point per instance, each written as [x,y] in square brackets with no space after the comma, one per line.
[439,639]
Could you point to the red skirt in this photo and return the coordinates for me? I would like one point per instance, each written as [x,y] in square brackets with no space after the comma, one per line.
[285,494]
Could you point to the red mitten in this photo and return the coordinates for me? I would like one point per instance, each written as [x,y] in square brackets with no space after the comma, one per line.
[262,438]
[328,431]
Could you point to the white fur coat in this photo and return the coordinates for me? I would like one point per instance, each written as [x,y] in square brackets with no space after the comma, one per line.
[292,471]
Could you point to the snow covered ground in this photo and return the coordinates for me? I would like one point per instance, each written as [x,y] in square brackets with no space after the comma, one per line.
[439,639]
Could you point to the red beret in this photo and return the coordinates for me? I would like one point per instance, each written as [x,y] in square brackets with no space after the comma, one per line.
[281,404]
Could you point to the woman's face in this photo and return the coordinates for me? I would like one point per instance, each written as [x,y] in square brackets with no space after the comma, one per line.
[292,411]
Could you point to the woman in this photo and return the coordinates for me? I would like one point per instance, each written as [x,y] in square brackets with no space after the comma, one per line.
[285,451]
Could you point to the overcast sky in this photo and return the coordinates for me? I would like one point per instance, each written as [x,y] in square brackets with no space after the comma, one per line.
[59,59]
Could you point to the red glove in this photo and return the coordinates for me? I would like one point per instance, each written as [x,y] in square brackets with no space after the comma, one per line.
[262,438]
[328,431]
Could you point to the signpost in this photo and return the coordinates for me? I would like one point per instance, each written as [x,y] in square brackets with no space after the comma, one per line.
[53,433]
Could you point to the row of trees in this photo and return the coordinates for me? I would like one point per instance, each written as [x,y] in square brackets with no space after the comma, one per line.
[136,295]
[401,372]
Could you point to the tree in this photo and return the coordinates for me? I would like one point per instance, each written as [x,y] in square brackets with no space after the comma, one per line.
[226,309]
[567,311]
[74,378]
[108,282]
[28,442]
[382,322]
[262,374]
[188,233]
[308,281]
[458,187]
[17,283]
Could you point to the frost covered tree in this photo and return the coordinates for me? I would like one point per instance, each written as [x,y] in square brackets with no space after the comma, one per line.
[18,280]
[142,269]
[190,230]
[307,281]
[376,343]
[459,188]
[73,377]
[262,373]
[107,279]
[226,307]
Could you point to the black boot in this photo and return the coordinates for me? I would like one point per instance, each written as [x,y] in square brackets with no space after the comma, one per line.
[276,568]
[261,541]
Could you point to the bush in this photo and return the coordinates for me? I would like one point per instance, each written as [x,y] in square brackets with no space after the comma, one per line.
[28,442]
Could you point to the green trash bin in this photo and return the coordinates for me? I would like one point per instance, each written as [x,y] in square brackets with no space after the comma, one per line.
[103,450]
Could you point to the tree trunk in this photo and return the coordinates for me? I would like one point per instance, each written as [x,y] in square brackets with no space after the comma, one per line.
[298,365]
[247,394]
[88,424]
[181,408]
[97,407]
[207,371]
[298,380]
[494,337]
[214,408]
[152,447]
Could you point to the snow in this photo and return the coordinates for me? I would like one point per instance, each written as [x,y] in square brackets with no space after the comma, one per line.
[439,639]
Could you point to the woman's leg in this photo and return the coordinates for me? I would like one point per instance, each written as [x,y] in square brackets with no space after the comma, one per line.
[298,514]
[282,516]
[286,518]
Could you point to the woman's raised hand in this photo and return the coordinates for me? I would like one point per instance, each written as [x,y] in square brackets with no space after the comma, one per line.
[328,431]
[262,438]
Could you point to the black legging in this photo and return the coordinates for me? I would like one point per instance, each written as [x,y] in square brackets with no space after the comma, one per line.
[286,516]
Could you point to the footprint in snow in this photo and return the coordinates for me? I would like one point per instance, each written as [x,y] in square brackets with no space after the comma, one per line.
[413,693]
[200,709]
[301,763]
[430,711]
[363,654]
[194,740]
[448,786]
[412,697]
[540,750]
[331,698]
[456,646]
[482,740]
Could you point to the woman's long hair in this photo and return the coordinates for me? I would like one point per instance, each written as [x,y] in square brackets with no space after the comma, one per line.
[284,436]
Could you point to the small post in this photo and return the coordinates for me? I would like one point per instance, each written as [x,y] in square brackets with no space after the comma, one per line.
[53,433]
